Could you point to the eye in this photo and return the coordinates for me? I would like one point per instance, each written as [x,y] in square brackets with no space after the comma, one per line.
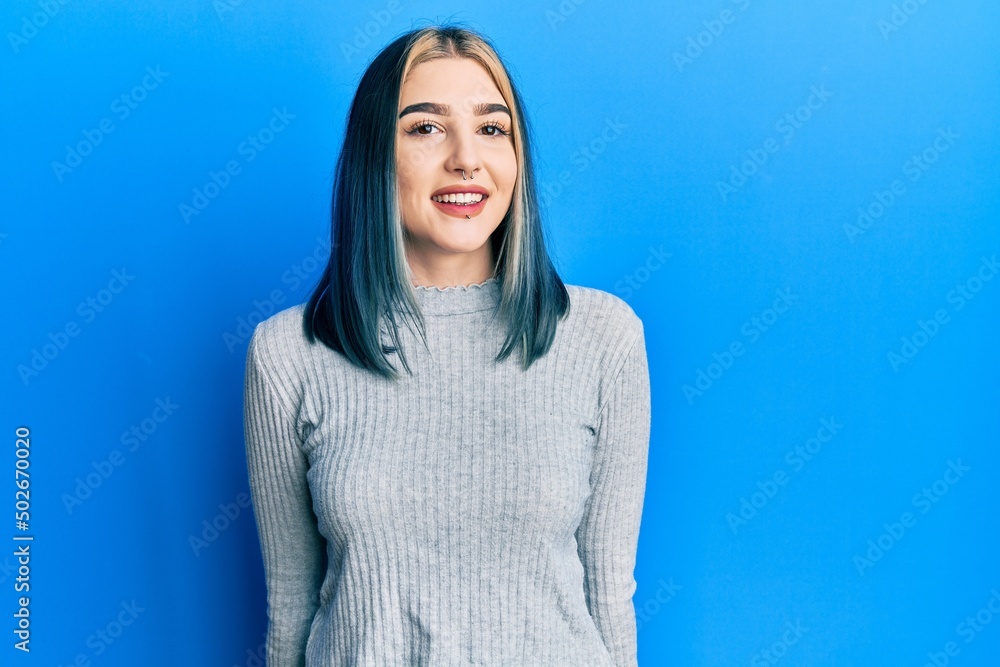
[423,127]
[495,129]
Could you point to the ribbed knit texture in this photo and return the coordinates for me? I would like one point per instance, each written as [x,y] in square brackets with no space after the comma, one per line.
[472,514]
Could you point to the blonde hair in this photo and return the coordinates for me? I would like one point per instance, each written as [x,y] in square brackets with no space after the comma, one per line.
[432,44]
[367,277]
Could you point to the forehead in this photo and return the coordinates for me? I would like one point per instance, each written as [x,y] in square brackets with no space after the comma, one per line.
[458,82]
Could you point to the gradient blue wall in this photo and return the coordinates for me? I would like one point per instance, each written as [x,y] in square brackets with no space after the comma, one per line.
[800,200]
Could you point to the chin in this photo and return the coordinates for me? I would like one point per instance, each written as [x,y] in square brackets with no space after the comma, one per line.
[461,246]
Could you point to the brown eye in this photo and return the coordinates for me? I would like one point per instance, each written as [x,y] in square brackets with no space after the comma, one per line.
[422,128]
[494,129]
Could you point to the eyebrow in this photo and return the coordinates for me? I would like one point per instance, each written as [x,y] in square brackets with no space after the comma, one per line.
[481,109]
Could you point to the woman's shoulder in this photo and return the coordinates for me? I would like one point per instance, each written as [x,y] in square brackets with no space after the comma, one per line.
[280,337]
[284,327]
[603,311]
[601,327]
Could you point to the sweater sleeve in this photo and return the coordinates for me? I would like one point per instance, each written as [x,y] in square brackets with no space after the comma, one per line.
[608,534]
[291,544]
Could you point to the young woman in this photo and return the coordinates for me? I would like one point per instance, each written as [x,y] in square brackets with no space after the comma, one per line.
[483,507]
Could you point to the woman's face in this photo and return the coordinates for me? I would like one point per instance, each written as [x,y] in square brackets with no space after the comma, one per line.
[452,117]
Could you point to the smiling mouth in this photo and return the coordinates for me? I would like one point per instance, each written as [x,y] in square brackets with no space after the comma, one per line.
[460,199]
[461,204]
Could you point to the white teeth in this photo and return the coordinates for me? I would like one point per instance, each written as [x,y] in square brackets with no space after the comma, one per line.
[459,198]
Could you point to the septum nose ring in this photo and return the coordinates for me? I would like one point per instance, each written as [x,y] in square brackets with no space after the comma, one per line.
[468,217]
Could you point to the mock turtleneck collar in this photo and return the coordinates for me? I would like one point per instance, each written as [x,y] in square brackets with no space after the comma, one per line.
[459,298]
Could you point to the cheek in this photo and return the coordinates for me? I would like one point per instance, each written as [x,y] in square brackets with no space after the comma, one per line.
[416,157]
[508,174]
[408,185]
[410,203]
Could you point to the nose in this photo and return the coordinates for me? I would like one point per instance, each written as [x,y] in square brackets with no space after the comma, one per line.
[463,157]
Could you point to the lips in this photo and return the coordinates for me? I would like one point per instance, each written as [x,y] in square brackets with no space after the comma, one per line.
[456,189]
[460,201]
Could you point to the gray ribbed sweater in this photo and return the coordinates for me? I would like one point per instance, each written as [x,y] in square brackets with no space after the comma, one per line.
[472,514]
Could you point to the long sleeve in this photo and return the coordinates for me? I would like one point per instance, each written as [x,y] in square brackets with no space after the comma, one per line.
[608,534]
[291,544]
[434,516]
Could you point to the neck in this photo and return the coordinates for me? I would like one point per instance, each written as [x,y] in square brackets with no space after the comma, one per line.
[452,270]
[452,300]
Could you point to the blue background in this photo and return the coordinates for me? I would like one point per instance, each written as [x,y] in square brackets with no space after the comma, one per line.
[642,114]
